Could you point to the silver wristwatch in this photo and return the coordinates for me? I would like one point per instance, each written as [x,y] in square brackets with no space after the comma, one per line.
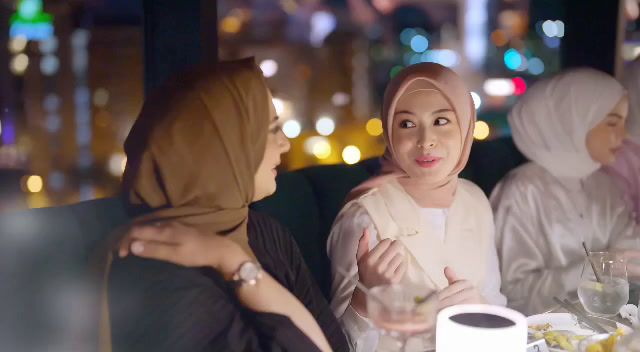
[248,273]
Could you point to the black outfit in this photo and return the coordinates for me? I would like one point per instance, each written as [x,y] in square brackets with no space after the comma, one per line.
[158,306]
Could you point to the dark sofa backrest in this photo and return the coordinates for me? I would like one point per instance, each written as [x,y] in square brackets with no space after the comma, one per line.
[41,246]
[48,297]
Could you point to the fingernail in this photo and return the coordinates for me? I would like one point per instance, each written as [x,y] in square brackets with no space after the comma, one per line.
[137,247]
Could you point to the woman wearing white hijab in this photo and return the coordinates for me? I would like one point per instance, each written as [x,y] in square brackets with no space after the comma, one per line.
[418,223]
[568,126]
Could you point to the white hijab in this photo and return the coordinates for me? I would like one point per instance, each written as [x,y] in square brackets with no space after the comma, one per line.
[631,81]
[551,121]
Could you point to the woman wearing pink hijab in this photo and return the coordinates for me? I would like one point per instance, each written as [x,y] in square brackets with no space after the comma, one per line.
[417,223]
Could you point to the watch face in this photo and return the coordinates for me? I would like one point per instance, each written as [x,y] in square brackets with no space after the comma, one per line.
[248,271]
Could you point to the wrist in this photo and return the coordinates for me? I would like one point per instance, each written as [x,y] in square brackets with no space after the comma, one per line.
[230,264]
[247,274]
[359,302]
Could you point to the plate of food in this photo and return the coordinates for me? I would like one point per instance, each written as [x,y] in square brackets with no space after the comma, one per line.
[601,342]
[563,332]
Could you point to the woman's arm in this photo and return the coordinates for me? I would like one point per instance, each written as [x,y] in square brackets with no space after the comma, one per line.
[354,249]
[342,246]
[275,238]
[159,306]
[269,296]
[189,247]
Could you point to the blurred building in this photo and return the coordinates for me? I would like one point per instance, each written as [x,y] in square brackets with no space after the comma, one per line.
[69,96]
[73,95]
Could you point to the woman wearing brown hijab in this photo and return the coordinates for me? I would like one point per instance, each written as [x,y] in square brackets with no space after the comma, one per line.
[203,148]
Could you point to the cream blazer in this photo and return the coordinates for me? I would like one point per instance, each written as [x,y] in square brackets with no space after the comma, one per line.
[392,213]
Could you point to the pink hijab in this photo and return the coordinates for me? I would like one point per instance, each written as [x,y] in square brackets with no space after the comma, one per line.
[427,193]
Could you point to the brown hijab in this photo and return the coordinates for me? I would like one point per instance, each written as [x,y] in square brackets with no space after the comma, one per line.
[425,76]
[192,156]
[196,146]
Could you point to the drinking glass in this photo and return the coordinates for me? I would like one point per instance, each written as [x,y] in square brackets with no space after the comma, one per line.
[606,297]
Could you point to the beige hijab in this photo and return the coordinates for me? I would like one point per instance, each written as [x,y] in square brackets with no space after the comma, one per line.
[425,76]
[193,153]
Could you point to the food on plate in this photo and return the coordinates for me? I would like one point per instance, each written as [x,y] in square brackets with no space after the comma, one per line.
[606,345]
[542,327]
[562,339]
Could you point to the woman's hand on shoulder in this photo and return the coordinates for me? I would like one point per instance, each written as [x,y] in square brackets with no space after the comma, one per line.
[183,245]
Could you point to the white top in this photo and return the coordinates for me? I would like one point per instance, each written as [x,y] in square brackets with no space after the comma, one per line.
[541,221]
[342,247]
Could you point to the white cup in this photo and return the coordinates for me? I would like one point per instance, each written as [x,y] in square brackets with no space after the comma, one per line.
[480,327]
